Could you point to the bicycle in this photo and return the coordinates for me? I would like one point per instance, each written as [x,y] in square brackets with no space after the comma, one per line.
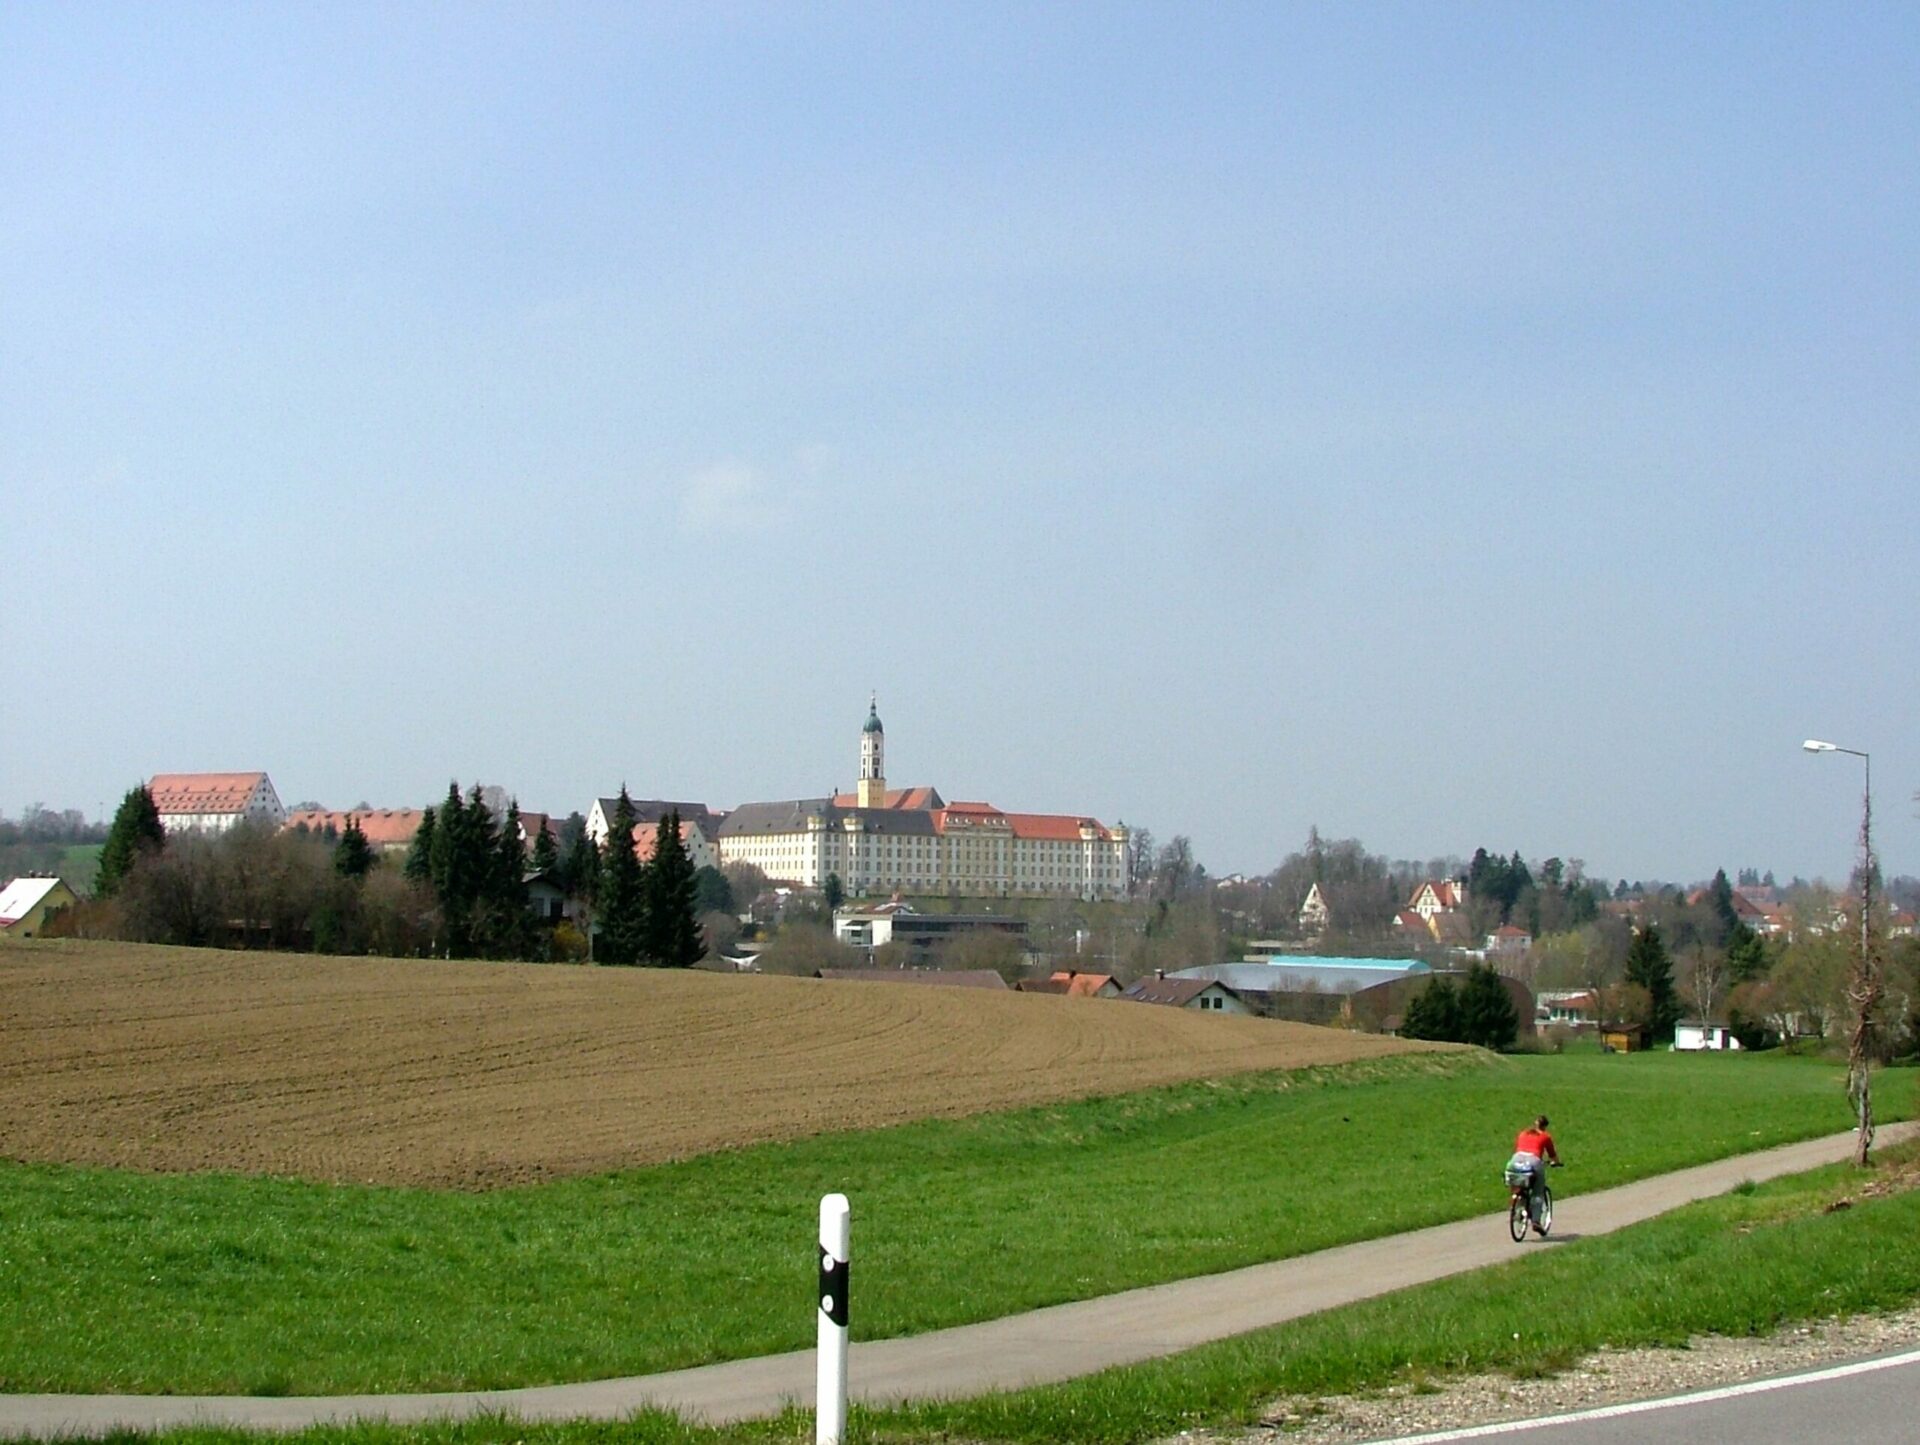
[1521,1211]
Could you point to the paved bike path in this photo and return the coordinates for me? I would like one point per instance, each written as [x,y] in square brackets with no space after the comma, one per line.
[1043,1346]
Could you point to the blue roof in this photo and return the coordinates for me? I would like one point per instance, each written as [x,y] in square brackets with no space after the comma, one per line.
[1307,973]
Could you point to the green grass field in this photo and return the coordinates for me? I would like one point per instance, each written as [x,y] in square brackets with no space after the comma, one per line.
[1748,1262]
[123,1282]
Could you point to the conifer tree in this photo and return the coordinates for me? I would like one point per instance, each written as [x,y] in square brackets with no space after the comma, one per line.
[623,890]
[673,930]
[1434,1012]
[353,855]
[1487,1015]
[136,833]
[1746,956]
[419,867]
[545,856]
[1651,967]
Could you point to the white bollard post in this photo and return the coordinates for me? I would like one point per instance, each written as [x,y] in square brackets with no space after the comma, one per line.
[830,1387]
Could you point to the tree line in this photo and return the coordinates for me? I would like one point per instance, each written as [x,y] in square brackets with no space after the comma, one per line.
[462,891]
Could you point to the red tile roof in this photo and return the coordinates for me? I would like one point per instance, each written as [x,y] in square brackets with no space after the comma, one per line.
[384,827]
[1057,827]
[202,792]
[920,800]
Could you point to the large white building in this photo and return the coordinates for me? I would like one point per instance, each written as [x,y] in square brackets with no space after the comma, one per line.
[214,802]
[913,841]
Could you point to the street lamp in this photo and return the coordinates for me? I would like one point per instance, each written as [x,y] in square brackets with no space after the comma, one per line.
[1864,992]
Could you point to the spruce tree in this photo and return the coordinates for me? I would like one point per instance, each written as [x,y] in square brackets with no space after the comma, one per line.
[419,867]
[353,855]
[136,833]
[673,930]
[1650,966]
[1434,1012]
[1487,1015]
[545,857]
[1746,956]
[623,900]
[507,917]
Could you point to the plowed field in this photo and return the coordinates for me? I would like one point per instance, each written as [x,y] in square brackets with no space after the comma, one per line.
[478,1075]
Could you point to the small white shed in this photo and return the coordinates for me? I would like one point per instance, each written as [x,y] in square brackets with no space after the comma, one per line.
[1693,1038]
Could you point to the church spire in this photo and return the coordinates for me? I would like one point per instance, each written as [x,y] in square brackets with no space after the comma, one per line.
[873,762]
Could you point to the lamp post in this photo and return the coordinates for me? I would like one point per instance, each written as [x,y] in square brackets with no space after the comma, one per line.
[1864,992]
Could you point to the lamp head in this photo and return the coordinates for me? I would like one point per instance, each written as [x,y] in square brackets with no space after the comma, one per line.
[1814,745]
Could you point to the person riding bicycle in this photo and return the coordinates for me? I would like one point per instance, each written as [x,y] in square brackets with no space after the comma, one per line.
[1532,1151]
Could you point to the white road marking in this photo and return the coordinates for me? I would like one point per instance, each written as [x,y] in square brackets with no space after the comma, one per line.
[1639,1407]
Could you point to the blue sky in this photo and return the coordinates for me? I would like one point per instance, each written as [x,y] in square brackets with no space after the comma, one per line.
[1447,426]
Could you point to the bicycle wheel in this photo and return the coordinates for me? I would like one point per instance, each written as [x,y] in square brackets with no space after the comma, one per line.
[1546,1211]
[1517,1217]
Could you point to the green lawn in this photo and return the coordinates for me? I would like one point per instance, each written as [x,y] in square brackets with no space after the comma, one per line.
[122,1282]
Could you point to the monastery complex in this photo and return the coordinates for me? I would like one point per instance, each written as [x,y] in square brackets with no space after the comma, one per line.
[882,840]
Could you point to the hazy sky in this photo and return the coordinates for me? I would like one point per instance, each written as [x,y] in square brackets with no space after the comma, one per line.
[1449,425]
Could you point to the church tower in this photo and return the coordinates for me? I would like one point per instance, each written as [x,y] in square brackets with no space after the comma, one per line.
[873,761]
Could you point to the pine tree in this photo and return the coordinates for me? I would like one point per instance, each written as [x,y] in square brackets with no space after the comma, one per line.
[419,867]
[623,900]
[1746,956]
[1434,1012]
[1650,966]
[545,857]
[673,931]
[136,833]
[353,855]
[506,900]
[1487,1015]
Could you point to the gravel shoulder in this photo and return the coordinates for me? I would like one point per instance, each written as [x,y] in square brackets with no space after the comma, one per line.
[1610,1377]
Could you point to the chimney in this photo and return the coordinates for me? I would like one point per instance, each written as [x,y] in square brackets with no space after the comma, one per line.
[1160,973]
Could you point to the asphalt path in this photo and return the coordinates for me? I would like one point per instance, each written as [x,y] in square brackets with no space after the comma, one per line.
[1040,1347]
[1872,1399]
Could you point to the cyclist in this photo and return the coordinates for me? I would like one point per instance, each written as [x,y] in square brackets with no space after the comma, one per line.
[1532,1151]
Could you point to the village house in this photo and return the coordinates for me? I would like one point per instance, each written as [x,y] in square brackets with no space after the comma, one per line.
[27,903]
[1202,995]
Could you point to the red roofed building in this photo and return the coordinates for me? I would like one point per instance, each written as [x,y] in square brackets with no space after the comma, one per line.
[387,829]
[214,802]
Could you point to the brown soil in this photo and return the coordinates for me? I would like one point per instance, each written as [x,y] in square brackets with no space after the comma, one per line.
[480,1075]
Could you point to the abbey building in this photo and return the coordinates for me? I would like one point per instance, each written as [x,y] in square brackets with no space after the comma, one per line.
[881,840]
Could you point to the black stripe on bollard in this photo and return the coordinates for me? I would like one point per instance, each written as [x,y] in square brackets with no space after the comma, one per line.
[833,1288]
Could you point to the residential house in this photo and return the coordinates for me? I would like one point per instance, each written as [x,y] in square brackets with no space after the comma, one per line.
[1314,913]
[699,825]
[26,904]
[1073,984]
[214,802]
[1508,941]
[1437,896]
[1577,1008]
[1199,994]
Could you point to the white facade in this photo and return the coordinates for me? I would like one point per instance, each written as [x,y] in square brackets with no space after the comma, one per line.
[879,845]
[215,802]
[1696,1038]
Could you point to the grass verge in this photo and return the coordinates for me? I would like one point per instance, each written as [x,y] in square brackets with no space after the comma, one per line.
[126,1283]
[1746,1263]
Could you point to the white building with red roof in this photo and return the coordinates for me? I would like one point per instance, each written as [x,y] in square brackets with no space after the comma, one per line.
[881,840]
[214,802]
